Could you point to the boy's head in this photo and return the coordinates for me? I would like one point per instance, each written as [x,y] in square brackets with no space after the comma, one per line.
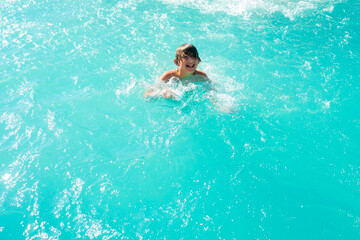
[187,49]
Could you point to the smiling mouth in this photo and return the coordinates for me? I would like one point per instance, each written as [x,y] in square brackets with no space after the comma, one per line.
[190,66]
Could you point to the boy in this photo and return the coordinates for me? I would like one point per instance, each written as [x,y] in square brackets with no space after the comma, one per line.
[187,59]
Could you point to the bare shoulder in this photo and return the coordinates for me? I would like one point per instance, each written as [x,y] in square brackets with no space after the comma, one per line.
[198,72]
[167,75]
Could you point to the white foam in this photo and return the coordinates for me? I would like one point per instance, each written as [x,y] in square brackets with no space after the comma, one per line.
[174,89]
[51,120]
[125,90]
[244,8]
[224,102]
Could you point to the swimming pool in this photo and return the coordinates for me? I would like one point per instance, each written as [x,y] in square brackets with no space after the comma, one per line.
[269,151]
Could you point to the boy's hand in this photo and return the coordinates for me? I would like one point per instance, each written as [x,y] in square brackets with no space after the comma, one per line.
[165,94]
[168,94]
[148,93]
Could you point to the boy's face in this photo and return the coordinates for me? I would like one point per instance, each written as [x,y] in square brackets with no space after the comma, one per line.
[187,63]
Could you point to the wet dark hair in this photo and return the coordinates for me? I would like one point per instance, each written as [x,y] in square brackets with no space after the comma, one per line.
[189,50]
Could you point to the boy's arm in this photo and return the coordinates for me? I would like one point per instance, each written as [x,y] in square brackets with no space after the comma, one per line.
[201,73]
[167,75]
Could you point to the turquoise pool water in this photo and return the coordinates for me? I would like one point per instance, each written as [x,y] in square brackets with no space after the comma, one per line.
[269,150]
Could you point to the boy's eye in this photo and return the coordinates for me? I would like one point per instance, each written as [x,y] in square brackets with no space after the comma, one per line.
[186,57]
